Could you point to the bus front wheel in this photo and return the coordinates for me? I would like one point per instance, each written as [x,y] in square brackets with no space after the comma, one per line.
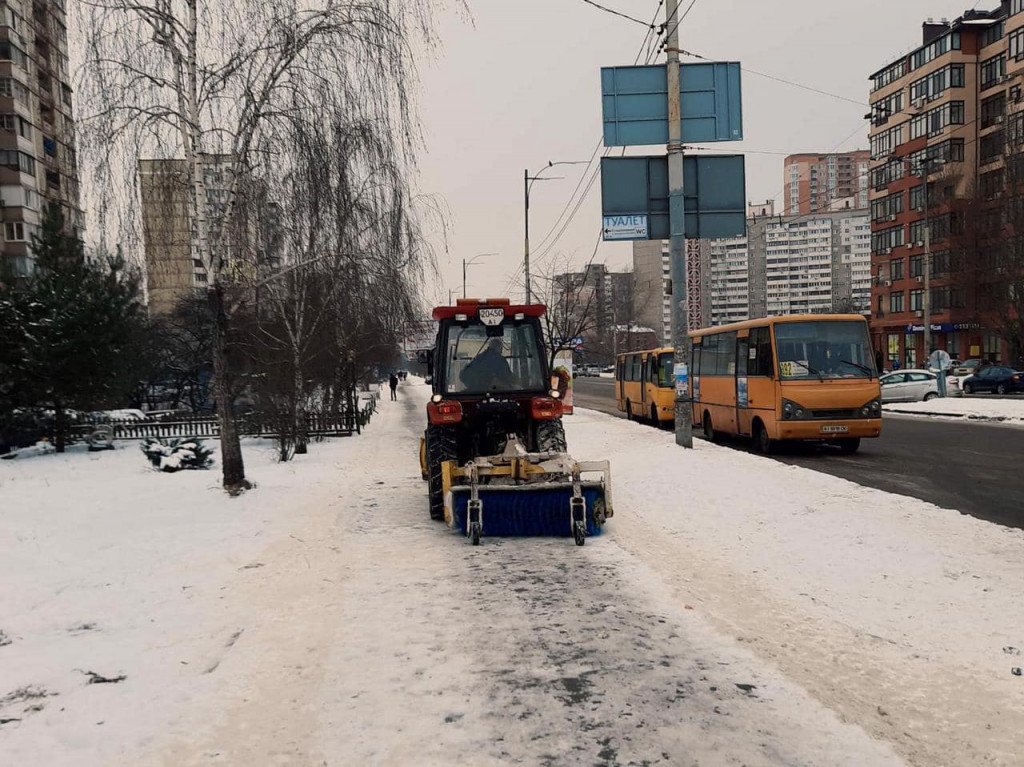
[765,445]
[849,446]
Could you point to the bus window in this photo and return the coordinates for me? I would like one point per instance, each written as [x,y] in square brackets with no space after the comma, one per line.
[825,349]
[665,373]
[634,367]
[760,363]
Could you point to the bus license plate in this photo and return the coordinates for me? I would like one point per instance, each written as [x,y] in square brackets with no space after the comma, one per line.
[834,429]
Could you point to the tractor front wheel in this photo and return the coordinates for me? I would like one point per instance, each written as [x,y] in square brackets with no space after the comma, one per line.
[551,437]
[441,446]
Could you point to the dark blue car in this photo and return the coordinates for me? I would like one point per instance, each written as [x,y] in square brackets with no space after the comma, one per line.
[995,378]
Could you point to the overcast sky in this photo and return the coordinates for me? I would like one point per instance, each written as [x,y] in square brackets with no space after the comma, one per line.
[520,85]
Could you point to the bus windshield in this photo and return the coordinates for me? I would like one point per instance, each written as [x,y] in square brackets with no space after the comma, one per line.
[665,370]
[826,349]
[478,363]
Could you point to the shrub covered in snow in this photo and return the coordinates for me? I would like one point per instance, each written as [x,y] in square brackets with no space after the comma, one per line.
[177,454]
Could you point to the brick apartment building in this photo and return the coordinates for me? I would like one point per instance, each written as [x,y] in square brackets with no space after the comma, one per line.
[938,112]
[822,183]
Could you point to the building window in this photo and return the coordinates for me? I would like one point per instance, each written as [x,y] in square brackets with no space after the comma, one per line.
[917,266]
[1016,45]
[884,175]
[890,74]
[13,89]
[887,207]
[11,52]
[10,158]
[991,183]
[950,150]
[993,33]
[947,297]
[990,147]
[992,110]
[934,120]
[933,85]
[883,144]
[941,263]
[992,70]
[886,239]
[946,43]
[14,231]
[896,269]
[916,300]
[885,108]
[1016,6]
[896,302]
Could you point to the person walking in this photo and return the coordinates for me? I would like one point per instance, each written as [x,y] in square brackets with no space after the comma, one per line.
[393,383]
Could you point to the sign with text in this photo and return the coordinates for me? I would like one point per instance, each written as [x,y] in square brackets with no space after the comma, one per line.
[625,227]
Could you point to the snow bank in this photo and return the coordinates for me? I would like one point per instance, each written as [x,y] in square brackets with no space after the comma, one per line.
[973,408]
[875,602]
[111,567]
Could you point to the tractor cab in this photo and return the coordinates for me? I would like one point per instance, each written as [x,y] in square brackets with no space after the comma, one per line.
[494,428]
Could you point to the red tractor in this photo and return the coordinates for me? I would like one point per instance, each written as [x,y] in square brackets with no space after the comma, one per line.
[495,436]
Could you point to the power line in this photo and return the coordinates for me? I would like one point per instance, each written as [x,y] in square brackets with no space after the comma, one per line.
[618,13]
[680,21]
[810,88]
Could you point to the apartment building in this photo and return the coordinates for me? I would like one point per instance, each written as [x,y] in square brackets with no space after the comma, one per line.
[792,265]
[819,183]
[937,135]
[651,272]
[38,164]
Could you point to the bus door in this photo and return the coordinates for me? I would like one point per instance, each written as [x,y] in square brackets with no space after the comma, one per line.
[742,390]
[645,375]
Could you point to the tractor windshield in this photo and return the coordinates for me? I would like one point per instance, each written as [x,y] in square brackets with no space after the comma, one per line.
[478,363]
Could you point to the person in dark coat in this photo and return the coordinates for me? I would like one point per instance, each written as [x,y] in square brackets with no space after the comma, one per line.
[393,383]
[488,371]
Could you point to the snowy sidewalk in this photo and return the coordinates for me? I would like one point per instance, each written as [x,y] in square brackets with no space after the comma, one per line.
[1010,411]
[736,611]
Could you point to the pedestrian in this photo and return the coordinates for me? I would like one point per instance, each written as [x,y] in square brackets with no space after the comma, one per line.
[393,383]
[879,361]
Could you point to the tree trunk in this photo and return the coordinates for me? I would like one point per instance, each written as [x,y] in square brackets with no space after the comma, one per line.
[60,426]
[301,437]
[230,446]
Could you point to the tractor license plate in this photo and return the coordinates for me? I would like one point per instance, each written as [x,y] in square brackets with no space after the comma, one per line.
[834,429]
[492,316]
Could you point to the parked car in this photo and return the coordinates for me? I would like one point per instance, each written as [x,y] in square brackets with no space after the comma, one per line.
[608,369]
[998,379]
[967,367]
[586,371]
[909,386]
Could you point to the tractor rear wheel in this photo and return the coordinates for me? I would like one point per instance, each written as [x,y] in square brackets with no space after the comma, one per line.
[551,437]
[441,447]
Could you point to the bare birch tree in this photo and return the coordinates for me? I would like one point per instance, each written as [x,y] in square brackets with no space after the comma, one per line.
[211,81]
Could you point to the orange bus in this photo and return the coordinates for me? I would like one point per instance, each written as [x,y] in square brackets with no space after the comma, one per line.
[644,387]
[798,377]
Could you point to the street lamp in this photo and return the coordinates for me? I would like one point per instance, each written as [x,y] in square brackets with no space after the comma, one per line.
[470,262]
[527,183]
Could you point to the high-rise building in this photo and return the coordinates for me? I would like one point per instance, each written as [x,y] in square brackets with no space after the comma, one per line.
[38,164]
[791,265]
[820,183]
[653,278]
[939,112]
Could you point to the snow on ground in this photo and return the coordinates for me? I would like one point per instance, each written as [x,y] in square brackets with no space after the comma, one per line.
[736,611]
[973,408]
[891,611]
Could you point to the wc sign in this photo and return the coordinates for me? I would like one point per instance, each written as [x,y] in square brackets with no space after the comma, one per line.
[625,227]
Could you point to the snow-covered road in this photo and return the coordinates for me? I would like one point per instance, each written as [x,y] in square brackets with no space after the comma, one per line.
[735,612]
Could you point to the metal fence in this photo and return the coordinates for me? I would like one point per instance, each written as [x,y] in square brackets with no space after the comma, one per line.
[341,424]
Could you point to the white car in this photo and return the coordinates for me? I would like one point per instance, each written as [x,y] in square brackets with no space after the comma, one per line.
[909,386]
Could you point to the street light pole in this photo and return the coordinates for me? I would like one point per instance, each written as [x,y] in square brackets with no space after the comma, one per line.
[527,183]
[470,262]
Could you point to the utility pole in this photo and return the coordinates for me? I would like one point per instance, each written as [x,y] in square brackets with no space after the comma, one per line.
[677,230]
[526,239]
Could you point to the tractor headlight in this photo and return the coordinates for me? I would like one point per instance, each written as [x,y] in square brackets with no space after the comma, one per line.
[554,394]
[436,398]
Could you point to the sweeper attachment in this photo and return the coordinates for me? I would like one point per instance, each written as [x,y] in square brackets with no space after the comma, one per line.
[494,452]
